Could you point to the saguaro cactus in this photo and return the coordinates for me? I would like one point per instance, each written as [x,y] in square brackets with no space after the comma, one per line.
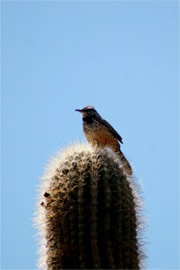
[88,213]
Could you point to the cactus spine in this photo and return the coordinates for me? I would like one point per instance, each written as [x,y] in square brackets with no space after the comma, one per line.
[89,219]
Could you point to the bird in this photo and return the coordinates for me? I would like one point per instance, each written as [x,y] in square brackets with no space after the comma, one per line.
[100,133]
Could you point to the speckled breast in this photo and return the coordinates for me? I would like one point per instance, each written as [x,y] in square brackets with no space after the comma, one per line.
[98,134]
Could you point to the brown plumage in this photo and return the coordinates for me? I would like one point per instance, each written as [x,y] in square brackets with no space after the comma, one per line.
[100,133]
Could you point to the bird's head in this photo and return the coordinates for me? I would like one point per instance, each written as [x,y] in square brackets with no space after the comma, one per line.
[88,111]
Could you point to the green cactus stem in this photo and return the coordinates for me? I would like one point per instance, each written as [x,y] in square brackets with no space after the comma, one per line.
[88,213]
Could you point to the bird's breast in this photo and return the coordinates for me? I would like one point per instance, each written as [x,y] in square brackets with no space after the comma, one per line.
[99,135]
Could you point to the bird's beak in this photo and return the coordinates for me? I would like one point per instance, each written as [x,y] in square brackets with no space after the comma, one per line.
[77,110]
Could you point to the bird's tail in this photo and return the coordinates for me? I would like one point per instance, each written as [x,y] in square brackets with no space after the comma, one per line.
[125,163]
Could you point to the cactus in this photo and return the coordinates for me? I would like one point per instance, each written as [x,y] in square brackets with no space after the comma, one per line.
[88,215]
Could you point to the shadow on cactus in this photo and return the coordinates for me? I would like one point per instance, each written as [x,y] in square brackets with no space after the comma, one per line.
[88,214]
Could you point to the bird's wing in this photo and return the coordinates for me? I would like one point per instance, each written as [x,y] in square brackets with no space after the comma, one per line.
[112,130]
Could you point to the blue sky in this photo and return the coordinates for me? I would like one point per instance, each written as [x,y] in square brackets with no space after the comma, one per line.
[120,56]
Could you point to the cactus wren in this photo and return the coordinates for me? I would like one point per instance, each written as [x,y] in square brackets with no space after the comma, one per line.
[100,133]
